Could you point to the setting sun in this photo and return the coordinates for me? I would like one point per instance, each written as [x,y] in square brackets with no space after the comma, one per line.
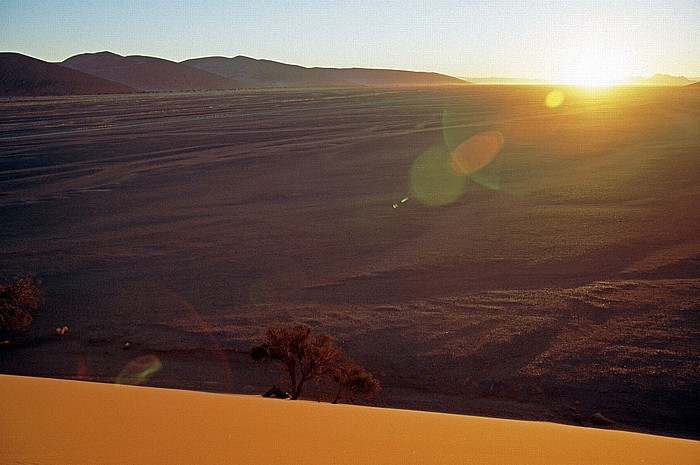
[595,67]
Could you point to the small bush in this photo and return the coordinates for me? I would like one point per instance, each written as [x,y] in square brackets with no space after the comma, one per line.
[17,298]
[303,355]
[306,356]
[354,380]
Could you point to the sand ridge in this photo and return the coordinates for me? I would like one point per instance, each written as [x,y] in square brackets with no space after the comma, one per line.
[70,422]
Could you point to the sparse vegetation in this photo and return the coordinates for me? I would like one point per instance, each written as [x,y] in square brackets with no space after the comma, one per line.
[354,380]
[306,356]
[17,298]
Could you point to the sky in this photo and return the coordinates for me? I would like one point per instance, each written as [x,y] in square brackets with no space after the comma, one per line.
[554,40]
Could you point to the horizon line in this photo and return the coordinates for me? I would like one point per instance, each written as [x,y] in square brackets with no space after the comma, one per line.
[516,80]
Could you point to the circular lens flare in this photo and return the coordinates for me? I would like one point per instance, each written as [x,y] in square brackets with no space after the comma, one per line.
[432,182]
[554,99]
[475,153]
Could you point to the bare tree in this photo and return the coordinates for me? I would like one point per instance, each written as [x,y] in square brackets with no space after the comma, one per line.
[353,379]
[305,356]
[17,298]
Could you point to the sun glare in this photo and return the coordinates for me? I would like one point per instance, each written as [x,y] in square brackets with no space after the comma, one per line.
[596,67]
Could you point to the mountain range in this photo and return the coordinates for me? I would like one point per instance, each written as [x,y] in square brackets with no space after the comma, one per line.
[107,72]
[495,80]
[658,80]
[23,75]
[655,80]
[148,73]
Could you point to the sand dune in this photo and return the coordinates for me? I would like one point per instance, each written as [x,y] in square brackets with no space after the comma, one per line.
[267,73]
[68,422]
[658,80]
[149,73]
[23,75]
[389,77]
[109,73]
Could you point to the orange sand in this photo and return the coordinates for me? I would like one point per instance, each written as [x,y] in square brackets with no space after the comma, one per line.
[71,422]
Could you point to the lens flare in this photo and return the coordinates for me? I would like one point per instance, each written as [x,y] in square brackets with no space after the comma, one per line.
[432,182]
[402,201]
[488,177]
[139,370]
[475,153]
[554,99]
[462,119]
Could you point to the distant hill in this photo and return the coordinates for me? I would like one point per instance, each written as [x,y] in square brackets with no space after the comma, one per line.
[390,77]
[267,73]
[21,75]
[149,73]
[107,72]
[658,80]
[506,81]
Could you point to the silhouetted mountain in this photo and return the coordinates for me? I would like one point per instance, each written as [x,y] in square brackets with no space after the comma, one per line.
[267,73]
[27,76]
[107,72]
[505,81]
[149,73]
[658,80]
[390,77]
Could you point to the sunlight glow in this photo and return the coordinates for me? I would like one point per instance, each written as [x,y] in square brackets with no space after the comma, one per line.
[554,99]
[595,67]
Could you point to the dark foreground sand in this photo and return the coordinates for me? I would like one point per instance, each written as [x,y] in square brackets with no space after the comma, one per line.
[559,281]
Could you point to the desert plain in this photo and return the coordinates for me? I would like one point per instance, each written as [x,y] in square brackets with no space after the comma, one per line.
[547,270]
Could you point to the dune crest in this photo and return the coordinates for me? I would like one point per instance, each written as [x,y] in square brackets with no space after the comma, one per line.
[68,422]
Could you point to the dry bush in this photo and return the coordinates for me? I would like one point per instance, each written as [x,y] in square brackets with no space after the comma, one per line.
[306,356]
[17,298]
[354,380]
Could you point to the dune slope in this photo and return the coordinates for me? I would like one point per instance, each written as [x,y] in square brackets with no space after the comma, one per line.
[21,75]
[68,422]
[149,73]
[269,73]
[265,73]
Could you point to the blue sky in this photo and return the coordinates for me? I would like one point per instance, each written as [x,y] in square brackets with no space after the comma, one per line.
[539,39]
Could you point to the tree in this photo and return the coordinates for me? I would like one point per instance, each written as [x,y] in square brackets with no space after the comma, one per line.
[17,298]
[303,355]
[353,379]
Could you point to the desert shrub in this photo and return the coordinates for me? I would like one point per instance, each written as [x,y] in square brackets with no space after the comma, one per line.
[354,380]
[306,356]
[17,298]
[303,355]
